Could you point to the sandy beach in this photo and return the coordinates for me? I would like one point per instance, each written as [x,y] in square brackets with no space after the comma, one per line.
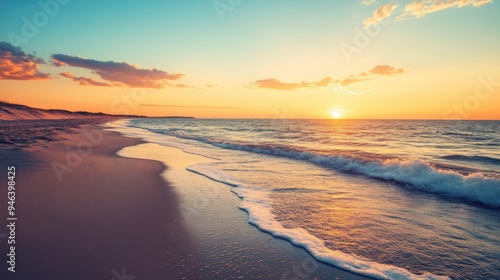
[86,213]
[109,213]
[225,139]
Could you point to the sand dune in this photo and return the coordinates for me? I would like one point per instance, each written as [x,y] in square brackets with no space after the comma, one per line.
[10,112]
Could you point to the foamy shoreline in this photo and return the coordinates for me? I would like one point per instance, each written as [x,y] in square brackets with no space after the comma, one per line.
[111,215]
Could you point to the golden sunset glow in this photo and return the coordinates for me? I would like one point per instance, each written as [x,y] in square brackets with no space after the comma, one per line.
[351,133]
[336,113]
[243,70]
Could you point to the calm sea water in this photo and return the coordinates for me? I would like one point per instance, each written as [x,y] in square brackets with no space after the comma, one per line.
[387,199]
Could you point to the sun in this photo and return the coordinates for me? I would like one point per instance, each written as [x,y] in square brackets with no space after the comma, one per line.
[336,113]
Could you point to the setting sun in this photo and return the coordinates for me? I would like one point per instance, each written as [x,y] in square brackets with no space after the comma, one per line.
[353,134]
[336,113]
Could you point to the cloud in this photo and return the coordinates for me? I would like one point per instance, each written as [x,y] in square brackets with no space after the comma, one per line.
[57,63]
[351,80]
[324,82]
[379,70]
[368,2]
[84,81]
[18,65]
[386,70]
[121,73]
[420,8]
[182,106]
[275,84]
[380,14]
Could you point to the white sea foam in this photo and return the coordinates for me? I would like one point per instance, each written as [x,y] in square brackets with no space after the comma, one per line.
[257,203]
[413,172]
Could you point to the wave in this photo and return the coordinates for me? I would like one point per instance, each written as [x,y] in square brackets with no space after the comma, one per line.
[256,203]
[468,136]
[414,173]
[482,159]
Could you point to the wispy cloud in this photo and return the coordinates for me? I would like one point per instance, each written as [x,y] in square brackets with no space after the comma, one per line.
[275,84]
[379,70]
[83,81]
[368,2]
[182,106]
[57,63]
[386,70]
[380,14]
[18,65]
[420,8]
[121,73]
[352,80]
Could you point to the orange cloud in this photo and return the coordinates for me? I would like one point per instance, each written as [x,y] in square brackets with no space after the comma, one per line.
[58,63]
[84,81]
[186,106]
[420,8]
[18,65]
[179,85]
[386,70]
[121,73]
[380,70]
[351,80]
[275,84]
[380,14]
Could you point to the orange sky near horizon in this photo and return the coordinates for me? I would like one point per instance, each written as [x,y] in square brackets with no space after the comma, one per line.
[259,60]
[243,102]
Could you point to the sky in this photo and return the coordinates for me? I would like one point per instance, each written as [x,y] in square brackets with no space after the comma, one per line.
[366,59]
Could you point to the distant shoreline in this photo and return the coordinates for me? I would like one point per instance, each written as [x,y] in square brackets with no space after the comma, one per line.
[13,112]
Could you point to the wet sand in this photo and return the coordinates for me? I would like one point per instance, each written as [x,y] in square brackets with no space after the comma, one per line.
[109,217]
[86,213]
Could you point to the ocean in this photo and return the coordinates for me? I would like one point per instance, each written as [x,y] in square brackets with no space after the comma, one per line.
[390,199]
